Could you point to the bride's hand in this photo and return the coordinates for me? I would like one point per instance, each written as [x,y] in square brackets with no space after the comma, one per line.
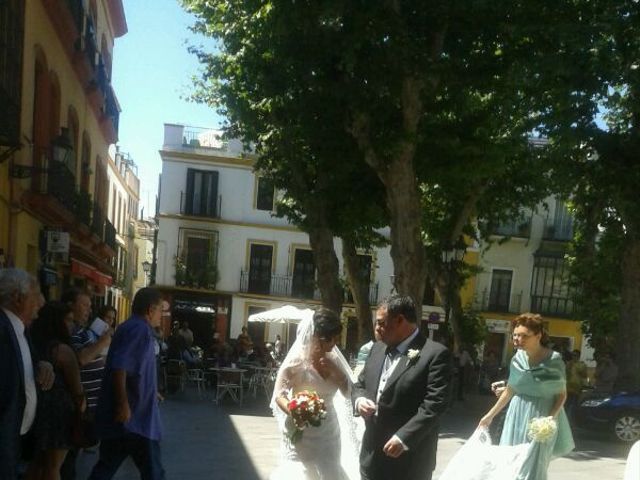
[485,421]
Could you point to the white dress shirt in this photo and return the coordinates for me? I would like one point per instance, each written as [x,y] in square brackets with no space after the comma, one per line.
[390,365]
[29,379]
[387,369]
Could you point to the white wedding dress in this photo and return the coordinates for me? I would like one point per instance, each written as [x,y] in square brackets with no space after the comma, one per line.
[329,451]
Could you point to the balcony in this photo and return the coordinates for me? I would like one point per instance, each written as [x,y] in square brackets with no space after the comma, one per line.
[196,271]
[195,137]
[373,295]
[290,286]
[484,303]
[110,235]
[277,286]
[518,228]
[553,306]
[111,113]
[83,209]
[56,180]
[558,232]
[97,221]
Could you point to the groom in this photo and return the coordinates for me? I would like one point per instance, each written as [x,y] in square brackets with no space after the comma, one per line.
[401,394]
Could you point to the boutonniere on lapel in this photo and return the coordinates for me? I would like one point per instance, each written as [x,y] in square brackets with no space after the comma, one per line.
[413,354]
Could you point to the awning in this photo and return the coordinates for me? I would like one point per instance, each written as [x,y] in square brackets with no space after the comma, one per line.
[90,273]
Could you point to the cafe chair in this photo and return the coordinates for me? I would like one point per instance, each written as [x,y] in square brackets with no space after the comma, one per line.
[229,382]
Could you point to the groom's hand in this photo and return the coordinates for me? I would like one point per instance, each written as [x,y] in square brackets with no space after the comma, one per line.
[366,407]
[393,448]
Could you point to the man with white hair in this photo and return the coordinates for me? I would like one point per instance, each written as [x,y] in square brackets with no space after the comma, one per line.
[20,300]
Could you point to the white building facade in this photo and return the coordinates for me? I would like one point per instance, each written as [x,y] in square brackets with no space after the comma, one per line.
[529,273]
[122,212]
[222,255]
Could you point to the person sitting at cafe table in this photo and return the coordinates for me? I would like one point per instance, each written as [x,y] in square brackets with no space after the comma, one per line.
[244,343]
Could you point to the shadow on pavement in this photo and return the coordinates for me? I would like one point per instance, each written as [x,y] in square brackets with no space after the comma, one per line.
[199,441]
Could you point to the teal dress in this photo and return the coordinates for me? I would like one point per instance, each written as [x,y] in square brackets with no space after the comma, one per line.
[535,390]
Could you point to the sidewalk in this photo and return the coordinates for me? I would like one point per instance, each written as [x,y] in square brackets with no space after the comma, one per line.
[205,441]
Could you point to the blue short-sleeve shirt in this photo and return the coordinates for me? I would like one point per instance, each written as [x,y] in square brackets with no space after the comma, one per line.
[131,350]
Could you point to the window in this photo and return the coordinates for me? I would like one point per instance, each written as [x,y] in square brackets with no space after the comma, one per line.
[500,290]
[304,274]
[562,222]
[550,292]
[202,193]
[260,264]
[196,260]
[265,195]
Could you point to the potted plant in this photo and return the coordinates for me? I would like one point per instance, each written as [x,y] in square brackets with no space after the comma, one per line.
[181,271]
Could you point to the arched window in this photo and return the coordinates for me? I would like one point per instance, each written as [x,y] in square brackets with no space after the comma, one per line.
[54,109]
[72,122]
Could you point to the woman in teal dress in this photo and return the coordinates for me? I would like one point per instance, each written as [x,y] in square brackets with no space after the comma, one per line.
[536,388]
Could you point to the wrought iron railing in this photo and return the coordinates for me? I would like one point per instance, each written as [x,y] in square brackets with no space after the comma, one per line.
[202,138]
[291,286]
[484,303]
[84,205]
[562,232]
[110,235]
[518,228]
[111,108]
[276,285]
[97,221]
[373,294]
[553,306]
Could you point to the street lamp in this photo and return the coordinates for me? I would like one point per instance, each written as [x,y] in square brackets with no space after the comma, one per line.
[451,256]
[146,266]
[61,150]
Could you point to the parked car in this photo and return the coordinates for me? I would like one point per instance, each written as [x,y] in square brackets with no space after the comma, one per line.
[616,413]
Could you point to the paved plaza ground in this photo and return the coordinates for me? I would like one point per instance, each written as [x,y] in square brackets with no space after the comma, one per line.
[205,441]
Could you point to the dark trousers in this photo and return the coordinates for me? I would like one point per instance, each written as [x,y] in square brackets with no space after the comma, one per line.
[144,452]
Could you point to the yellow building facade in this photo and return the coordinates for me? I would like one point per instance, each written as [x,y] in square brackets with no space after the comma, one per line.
[62,118]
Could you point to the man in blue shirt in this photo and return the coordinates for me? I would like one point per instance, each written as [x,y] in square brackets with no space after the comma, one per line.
[127,416]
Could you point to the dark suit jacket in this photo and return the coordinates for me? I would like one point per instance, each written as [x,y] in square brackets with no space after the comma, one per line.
[410,407]
[12,399]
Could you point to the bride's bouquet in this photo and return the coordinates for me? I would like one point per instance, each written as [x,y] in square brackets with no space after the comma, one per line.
[542,429]
[306,409]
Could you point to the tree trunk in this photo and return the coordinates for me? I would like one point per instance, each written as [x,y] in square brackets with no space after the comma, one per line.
[360,290]
[407,249]
[627,352]
[326,260]
[450,295]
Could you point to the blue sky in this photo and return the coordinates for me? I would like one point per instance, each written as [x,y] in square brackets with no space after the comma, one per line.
[152,72]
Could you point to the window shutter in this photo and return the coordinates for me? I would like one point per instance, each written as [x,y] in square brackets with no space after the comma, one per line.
[212,207]
[188,198]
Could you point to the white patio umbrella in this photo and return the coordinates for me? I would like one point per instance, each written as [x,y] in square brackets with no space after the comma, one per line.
[286,315]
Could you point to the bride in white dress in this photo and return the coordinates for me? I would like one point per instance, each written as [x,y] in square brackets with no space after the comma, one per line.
[330,451]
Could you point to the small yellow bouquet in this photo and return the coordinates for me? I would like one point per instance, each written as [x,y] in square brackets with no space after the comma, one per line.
[542,429]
